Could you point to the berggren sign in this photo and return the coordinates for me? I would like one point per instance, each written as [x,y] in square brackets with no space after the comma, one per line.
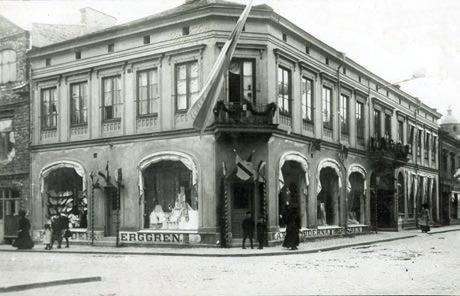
[159,237]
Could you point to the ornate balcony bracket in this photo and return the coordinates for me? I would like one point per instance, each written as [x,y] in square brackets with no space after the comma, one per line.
[386,154]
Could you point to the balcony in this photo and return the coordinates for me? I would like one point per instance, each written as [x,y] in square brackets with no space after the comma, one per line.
[245,117]
[384,152]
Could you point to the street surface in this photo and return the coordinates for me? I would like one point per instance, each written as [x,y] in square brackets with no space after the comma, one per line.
[426,264]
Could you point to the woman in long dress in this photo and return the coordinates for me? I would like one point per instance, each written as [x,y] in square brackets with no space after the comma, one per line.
[424,220]
[291,240]
[24,241]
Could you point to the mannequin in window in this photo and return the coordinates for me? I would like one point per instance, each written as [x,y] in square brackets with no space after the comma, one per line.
[157,216]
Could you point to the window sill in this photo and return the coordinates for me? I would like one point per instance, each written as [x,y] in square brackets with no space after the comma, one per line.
[112,120]
[79,125]
[147,115]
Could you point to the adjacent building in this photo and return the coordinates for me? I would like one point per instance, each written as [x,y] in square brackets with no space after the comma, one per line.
[14,126]
[297,122]
[449,168]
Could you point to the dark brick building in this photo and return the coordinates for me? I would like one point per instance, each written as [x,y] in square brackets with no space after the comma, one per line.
[14,126]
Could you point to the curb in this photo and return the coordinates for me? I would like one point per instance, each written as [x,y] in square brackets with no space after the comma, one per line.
[23,287]
[298,252]
[444,231]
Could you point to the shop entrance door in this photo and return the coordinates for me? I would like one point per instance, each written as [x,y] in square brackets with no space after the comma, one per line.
[112,206]
[10,201]
[242,202]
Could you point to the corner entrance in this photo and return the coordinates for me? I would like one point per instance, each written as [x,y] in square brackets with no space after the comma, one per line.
[242,197]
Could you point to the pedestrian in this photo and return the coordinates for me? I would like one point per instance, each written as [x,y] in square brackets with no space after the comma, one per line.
[56,232]
[248,229]
[24,241]
[291,240]
[424,220]
[47,237]
[65,229]
[261,226]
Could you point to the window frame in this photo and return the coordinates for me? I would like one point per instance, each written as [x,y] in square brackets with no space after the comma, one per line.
[377,123]
[149,99]
[242,61]
[360,125]
[116,77]
[43,119]
[326,124]
[309,102]
[401,131]
[8,144]
[9,66]
[85,100]
[289,91]
[387,129]
[344,121]
[187,82]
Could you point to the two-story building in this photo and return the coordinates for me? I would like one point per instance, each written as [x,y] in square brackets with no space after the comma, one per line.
[449,174]
[14,126]
[296,122]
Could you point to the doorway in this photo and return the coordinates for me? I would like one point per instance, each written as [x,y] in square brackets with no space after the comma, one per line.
[242,196]
[112,211]
[328,198]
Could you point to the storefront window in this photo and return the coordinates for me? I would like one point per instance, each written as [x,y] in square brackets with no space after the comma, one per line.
[65,196]
[171,199]
[328,198]
[355,198]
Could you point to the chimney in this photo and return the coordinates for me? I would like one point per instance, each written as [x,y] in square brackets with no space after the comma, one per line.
[95,20]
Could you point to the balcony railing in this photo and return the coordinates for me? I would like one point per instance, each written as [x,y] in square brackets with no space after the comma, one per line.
[385,147]
[244,113]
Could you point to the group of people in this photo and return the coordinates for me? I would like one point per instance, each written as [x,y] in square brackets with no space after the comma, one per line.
[56,230]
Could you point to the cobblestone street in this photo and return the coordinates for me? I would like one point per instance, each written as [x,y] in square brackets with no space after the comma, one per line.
[425,264]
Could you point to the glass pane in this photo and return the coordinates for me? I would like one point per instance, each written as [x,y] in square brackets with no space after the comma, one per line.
[247,68]
[142,79]
[194,70]
[153,91]
[280,102]
[181,72]
[143,93]
[153,76]
[117,111]
[194,85]
[181,87]
[193,98]
[181,102]
[154,106]
[143,107]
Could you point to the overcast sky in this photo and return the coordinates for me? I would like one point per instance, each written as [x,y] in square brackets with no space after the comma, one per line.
[392,38]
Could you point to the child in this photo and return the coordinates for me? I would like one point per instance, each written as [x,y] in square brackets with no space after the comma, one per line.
[47,237]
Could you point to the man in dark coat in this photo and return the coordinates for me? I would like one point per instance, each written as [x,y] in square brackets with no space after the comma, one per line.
[60,225]
[261,226]
[248,229]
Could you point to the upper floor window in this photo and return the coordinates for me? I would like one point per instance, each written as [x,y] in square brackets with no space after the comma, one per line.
[410,142]
[453,165]
[377,123]
[444,161]
[241,81]
[185,30]
[111,98]
[388,126]
[434,149]
[79,103]
[146,39]
[360,120]
[48,108]
[7,66]
[327,107]
[307,99]
[111,47]
[400,131]
[427,145]
[419,143]
[284,90]
[147,92]
[6,144]
[187,88]
[344,114]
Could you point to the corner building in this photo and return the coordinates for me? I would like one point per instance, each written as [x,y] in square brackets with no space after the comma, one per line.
[318,130]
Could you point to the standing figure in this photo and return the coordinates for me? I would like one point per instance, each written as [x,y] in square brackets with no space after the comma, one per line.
[248,229]
[24,241]
[424,220]
[261,226]
[291,240]
[47,237]
[65,229]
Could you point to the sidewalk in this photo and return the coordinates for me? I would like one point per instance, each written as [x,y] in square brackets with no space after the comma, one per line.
[304,248]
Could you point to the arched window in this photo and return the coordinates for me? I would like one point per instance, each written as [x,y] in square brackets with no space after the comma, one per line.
[7,66]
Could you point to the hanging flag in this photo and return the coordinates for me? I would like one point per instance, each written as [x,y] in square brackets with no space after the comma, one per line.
[201,110]
[244,168]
